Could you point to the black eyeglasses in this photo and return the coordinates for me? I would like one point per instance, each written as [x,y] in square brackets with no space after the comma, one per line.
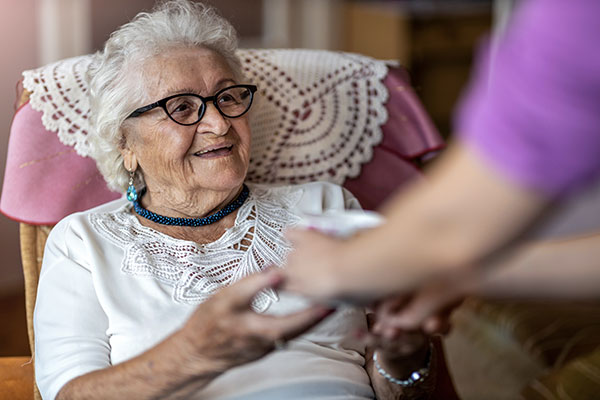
[189,108]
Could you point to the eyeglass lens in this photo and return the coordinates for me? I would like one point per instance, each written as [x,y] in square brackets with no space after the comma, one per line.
[186,109]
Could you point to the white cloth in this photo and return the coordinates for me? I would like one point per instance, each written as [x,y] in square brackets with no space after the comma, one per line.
[105,296]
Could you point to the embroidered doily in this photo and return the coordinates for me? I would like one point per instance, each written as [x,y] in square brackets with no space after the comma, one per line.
[318,113]
[197,271]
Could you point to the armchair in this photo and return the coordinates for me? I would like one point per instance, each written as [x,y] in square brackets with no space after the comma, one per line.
[321,115]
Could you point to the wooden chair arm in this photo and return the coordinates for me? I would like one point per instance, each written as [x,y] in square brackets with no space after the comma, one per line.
[17,378]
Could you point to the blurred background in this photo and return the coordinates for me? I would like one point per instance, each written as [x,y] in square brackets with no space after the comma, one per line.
[434,40]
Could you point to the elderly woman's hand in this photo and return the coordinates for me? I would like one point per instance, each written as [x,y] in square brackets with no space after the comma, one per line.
[400,349]
[225,332]
[222,333]
[399,356]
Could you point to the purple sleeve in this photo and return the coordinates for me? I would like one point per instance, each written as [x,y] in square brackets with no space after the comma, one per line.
[533,107]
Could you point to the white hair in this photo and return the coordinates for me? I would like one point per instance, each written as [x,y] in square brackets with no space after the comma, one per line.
[116,85]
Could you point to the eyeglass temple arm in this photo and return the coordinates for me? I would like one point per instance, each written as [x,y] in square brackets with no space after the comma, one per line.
[142,110]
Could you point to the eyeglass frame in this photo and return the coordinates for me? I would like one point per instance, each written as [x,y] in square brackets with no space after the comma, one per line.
[162,103]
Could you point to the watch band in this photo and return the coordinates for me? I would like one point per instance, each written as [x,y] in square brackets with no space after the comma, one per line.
[413,379]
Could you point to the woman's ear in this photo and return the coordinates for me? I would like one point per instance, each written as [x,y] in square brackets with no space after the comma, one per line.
[129,160]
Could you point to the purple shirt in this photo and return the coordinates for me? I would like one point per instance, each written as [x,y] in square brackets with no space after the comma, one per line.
[533,107]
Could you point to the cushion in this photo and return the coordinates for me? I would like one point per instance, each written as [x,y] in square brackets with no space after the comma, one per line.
[553,333]
[579,379]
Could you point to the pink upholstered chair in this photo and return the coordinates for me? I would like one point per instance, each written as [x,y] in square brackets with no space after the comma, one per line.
[322,115]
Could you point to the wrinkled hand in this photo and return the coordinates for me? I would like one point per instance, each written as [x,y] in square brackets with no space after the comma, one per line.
[225,331]
[402,343]
[403,350]
[397,344]
[401,354]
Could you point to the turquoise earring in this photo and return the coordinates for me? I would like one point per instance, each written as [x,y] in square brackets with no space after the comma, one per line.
[131,193]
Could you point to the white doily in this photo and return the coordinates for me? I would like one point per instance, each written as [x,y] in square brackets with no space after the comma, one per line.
[59,91]
[197,271]
[318,113]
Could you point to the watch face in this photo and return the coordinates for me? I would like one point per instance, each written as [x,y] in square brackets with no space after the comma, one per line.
[418,376]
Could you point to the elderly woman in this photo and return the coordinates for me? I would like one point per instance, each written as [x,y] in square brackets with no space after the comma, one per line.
[128,305]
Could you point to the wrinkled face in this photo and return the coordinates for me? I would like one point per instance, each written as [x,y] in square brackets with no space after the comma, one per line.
[212,154]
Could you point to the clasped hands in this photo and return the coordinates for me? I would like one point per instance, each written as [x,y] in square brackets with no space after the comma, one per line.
[399,330]
[226,332]
[322,268]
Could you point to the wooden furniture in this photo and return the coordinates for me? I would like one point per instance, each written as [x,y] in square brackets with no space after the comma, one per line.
[434,40]
[16,375]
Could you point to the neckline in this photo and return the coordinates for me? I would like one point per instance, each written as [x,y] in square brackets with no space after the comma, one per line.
[127,212]
[192,222]
[258,193]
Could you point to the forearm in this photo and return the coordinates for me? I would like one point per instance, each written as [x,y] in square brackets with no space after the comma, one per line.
[463,214]
[166,371]
[567,269]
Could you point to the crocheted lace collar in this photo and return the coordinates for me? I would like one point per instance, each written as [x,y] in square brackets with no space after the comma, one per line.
[197,271]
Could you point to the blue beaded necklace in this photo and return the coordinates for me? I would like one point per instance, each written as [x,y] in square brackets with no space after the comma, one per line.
[161,219]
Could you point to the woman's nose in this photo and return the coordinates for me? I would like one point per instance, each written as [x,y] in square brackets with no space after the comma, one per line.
[213,122]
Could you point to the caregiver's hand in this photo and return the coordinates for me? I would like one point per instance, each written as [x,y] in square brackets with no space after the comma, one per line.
[313,268]
[225,331]
[428,310]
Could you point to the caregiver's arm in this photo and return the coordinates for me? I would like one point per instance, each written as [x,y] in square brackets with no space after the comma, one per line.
[466,212]
[558,269]
[531,113]
[549,269]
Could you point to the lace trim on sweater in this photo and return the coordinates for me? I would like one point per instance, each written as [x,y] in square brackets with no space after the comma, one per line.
[197,271]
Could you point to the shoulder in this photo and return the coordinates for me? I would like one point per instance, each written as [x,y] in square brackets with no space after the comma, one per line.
[72,243]
[313,197]
[535,118]
[76,225]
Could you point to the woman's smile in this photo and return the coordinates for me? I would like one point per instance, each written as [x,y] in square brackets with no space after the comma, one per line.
[215,152]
